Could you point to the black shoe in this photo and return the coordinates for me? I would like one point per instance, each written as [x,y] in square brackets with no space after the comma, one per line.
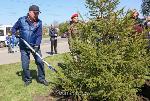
[51,53]
[26,83]
[44,82]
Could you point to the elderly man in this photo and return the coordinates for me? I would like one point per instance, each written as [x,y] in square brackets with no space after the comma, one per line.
[30,29]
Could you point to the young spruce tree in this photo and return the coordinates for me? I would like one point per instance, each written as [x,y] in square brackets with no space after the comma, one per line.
[111,61]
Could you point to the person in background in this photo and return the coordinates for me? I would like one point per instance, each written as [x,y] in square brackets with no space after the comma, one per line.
[13,39]
[147,22]
[8,39]
[73,31]
[53,38]
[30,29]
[138,23]
[73,34]
[147,27]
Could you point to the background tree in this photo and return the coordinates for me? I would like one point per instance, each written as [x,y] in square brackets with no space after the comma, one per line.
[145,6]
[45,30]
[63,27]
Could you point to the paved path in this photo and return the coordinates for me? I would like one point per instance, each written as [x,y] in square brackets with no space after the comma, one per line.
[7,58]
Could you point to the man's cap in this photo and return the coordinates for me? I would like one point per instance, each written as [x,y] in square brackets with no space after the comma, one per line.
[74,15]
[34,8]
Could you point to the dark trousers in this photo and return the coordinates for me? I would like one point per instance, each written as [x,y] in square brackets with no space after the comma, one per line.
[9,48]
[53,45]
[25,58]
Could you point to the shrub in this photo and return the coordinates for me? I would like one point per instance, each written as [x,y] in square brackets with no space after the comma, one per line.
[107,61]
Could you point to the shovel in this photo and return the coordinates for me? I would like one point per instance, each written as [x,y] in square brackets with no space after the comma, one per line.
[49,66]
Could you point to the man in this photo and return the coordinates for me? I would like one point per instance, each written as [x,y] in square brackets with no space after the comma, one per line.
[138,22]
[73,34]
[8,39]
[53,39]
[147,27]
[30,29]
[147,22]
[73,31]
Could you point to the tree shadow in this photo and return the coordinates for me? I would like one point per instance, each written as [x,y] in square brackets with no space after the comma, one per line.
[32,72]
[50,53]
[62,65]
[144,94]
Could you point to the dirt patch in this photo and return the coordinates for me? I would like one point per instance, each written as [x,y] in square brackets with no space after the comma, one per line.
[51,97]
[43,98]
[56,95]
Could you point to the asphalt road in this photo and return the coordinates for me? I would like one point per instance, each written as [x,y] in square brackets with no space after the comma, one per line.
[7,58]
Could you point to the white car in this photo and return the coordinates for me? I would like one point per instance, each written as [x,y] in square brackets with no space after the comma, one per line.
[5,30]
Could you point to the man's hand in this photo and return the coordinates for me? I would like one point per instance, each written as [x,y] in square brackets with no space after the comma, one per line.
[55,35]
[36,48]
[17,36]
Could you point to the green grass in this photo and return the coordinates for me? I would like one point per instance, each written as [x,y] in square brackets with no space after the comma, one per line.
[11,84]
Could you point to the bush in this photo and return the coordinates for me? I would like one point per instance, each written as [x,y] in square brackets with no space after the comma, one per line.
[107,61]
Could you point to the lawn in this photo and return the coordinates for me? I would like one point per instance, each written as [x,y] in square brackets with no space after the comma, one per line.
[11,84]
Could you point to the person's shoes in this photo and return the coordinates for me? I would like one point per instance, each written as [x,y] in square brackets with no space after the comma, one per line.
[26,83]
[11,51]
[44,82]
[52,53]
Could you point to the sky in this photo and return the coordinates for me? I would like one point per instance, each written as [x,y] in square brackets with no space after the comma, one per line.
[52,10]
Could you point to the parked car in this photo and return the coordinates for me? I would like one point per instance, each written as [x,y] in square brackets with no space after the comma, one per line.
[65,35]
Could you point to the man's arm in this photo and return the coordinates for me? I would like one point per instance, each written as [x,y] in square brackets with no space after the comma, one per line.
[52,32]
[15,27]
[56,32]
